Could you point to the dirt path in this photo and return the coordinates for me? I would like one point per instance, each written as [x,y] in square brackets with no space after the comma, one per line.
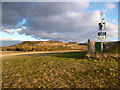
[4,54]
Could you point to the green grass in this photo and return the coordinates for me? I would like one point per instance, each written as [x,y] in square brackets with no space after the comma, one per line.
[66,70]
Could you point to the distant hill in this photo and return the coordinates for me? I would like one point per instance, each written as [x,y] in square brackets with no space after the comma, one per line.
[44,46]
[57,45]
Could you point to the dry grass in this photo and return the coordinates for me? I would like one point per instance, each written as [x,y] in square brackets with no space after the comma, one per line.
[44,46]
[106,56]
[67,70]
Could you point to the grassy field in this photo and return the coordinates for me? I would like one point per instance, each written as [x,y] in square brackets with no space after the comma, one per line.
[66,70]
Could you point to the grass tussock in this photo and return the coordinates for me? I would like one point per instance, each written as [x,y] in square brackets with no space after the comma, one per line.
[104,56]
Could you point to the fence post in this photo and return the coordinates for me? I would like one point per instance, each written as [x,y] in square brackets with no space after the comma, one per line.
[88,46]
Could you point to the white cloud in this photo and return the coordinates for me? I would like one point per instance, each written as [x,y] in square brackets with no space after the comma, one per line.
[8,31]
[58,21]
[104,11]
[110,5]
[68,26]
[113,20]
[19,29]
[112,30]
[6,39]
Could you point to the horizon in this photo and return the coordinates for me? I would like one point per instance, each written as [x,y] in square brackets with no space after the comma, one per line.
[5,43]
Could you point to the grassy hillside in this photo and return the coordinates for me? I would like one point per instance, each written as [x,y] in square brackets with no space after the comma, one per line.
[57,45]
[66,70]
[44,46]
[113,47]
[63,70]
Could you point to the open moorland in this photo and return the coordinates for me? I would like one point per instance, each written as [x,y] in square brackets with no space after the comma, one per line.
[44,46]
[62,70]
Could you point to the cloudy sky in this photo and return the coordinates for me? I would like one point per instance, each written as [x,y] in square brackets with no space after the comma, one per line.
[63,21]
